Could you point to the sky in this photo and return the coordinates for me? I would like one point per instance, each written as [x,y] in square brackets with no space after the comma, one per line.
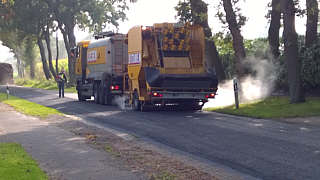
[148,12]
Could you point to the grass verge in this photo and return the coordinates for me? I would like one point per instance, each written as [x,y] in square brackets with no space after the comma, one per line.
[16,164]
[28,107]
[42,84]
[165,176]
[110,150]
[273,108]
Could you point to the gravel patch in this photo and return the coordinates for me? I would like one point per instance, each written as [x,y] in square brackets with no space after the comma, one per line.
[131,153]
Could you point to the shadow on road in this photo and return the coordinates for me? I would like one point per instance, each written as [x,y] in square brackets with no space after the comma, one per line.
[261,148]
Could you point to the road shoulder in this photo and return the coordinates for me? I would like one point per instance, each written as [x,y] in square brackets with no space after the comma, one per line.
[66,148]
[61,154]
[143,155]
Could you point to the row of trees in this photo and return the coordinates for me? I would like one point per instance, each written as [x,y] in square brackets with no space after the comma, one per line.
[288,9]
[196,11]
[30,23]
[26,52]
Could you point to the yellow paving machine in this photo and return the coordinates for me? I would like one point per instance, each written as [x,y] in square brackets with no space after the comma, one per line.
[151,66]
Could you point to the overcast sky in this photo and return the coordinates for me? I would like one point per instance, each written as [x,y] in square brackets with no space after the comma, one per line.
[147,12]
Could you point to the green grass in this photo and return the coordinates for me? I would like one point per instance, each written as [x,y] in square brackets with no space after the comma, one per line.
[110,150]
[63,63]
[165,176]
[42,84]
[274,107]
[28,107]
[16,164]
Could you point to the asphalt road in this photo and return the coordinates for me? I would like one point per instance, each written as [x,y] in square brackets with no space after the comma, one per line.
[264,149]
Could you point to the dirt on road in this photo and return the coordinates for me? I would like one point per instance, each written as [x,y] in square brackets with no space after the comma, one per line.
[132,153]
[129,152]
[226,145]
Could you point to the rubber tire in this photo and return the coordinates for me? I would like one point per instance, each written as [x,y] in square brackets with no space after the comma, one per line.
[105,91]
[101,95]
[190,106]
[145,107]
[136,104]
[108,98]
[197,107]
[107,95]
[96,94]
[80,97]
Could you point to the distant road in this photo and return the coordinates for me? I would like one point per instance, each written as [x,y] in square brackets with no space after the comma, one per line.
[263,149]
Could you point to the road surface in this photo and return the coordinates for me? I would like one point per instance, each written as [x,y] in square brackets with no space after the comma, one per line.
[263,149]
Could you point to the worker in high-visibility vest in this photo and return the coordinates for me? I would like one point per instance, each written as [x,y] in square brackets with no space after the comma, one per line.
[61,80]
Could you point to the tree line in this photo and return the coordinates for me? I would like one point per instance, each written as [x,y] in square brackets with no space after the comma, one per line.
[229,13]
[25,24]
[32,22]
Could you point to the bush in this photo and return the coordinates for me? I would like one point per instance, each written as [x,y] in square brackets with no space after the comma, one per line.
[254,48]
[39,69]
[227,61]
[310,67]
[42,84]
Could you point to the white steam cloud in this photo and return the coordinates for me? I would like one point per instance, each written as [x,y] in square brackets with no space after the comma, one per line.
[258,85]
[121,102]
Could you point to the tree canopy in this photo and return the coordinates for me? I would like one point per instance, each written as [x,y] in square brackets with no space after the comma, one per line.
[29,23]
[40,18]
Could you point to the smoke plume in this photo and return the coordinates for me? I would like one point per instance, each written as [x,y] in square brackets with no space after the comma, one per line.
[256,86]
[121,102]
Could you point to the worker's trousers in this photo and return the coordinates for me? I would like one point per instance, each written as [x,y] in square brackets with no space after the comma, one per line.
[61,89]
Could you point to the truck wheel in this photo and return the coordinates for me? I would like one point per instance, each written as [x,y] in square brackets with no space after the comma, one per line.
[107,95]
[80,97]
[136,102]
[108,98]
[101,95]
[96,94]
[145,107]
[105,90]
[197,107]
[190,106]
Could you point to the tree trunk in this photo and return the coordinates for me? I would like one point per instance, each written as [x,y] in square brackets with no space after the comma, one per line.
[200,17]
[238,45]
[65,36]
[57,56]
[312,22]
[43,59]
[273,34]
[19,65]
[32,68]
[69,41]
[19,56]
[47,38]
[212,53]
[72,59]
[291,52]
[29,55]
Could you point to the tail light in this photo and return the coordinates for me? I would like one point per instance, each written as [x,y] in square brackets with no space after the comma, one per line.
[211,95]
[156,94]
[115,87]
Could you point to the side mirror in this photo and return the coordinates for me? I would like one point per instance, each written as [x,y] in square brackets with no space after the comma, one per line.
[74,52]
